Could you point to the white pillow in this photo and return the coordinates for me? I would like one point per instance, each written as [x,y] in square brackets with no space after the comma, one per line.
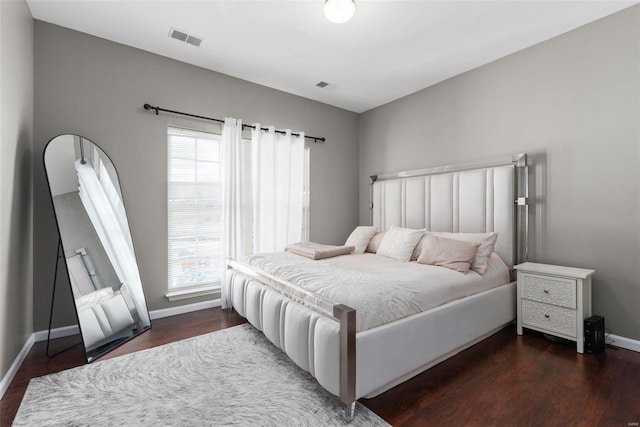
[487,242]
[398,243]
[360,237]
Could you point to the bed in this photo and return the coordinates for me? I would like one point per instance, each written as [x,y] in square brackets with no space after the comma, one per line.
[361,347]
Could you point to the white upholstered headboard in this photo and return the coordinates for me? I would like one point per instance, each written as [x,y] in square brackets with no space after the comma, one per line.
[466,198]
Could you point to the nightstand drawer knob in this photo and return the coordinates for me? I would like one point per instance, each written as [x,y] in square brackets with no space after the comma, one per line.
[546,315]
[546,291]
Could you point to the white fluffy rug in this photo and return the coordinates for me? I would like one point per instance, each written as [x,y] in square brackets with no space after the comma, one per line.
[231,377]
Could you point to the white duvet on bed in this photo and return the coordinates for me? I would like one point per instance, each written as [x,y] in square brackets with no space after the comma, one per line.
[381,289]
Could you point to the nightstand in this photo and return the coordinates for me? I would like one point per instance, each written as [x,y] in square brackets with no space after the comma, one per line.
[554,300]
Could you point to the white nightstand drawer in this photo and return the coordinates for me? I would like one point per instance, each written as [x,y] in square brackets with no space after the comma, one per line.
[549,317]
[551,290]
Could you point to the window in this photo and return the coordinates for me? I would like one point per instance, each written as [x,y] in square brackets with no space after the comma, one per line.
[194,209]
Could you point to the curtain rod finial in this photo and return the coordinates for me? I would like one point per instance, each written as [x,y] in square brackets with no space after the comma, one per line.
[151,107]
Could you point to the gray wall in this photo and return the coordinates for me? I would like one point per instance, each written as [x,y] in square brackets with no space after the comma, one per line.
[96,88]
[16,127]
[573,104]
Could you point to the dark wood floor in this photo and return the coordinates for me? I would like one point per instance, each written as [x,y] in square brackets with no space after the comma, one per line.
[504,380]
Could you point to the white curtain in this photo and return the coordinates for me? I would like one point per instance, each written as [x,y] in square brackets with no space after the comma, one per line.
[262,191]
[236,219]
[114,239]
[278,178]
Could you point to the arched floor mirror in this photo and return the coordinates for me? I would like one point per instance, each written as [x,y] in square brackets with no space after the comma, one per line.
[96,244]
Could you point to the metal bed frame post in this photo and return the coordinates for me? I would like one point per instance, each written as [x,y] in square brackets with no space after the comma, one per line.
[522,205]
[347,317]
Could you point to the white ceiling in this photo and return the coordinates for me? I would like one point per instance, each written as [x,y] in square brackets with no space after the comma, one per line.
[388,50]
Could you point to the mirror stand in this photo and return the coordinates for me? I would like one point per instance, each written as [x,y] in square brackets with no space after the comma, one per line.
[96,244]
[59,256]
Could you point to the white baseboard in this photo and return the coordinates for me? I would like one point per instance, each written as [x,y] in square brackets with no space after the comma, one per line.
[626,343]
[73,330]
[64,331]
[182,309]
[13,369]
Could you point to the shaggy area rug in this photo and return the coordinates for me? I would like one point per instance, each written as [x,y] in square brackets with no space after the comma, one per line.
[231,377]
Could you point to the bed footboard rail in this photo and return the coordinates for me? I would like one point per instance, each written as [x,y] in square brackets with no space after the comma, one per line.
[344,315]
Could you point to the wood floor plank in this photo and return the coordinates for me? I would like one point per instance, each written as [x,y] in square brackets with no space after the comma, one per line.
[504,380]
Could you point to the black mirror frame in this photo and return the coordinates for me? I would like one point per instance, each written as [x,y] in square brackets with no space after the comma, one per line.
[100,351]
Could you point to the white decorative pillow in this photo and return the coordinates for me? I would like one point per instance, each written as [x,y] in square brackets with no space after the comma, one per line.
[487,242]
[398,243]
[360,238]
[375,241]
[449,253]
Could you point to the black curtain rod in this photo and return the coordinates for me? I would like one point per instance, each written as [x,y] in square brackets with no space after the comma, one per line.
[158,109]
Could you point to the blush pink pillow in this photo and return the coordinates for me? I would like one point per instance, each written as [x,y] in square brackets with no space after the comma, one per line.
[453,254]
[487,242]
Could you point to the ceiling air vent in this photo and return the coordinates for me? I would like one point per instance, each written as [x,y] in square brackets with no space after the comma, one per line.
[184,37]
[194,40]
[326,86]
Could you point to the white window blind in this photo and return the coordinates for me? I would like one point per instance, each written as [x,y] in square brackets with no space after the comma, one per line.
[194,209]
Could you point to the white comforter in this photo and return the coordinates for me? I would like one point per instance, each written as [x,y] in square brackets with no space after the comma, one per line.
[381,289]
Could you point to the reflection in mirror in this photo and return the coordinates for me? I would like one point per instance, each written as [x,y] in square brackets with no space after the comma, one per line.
[99,254]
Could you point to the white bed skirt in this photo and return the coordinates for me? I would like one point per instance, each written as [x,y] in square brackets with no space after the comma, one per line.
[386,355]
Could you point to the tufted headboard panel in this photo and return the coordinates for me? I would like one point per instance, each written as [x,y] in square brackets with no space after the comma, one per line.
[471,200]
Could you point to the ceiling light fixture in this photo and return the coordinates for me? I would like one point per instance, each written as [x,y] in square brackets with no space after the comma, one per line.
[339,11]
